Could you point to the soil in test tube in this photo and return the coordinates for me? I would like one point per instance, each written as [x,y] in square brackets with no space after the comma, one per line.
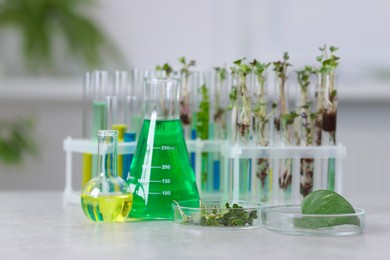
[170,177]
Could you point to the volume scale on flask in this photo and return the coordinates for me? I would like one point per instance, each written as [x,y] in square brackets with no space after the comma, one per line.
[160,172]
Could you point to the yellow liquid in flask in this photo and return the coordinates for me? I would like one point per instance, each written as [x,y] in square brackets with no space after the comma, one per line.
[107,208]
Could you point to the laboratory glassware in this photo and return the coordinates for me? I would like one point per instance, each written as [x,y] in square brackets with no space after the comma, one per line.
[86,126]
[327,82]
[160,172]
[94,115]
[107,197]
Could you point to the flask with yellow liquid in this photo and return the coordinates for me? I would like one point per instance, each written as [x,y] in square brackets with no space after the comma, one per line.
[107,197]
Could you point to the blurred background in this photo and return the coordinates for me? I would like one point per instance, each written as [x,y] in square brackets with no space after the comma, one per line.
[47,45]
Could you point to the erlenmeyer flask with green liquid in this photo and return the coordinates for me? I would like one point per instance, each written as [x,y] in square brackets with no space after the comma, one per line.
[160,172]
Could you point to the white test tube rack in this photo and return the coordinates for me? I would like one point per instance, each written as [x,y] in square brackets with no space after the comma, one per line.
[228,152]
[70,146]
[320,154]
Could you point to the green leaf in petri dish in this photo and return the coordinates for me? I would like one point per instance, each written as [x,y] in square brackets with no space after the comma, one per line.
[325,202]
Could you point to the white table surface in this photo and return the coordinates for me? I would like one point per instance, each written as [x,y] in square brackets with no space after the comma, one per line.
[36,225]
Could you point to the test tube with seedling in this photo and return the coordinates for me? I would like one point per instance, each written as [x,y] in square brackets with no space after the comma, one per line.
[202,129]
[283,124]
[262,116]
[241,124]
[305,127]
[189,84]
[327,84]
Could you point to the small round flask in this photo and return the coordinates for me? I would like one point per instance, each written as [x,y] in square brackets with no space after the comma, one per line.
[107,197]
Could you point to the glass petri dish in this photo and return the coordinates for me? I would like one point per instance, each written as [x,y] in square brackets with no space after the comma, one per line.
[215,214]
[288,219]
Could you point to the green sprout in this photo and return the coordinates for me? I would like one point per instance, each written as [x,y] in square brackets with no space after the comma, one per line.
[303,76]
[280,67]
[185,70]
[242,70]
[165,68]
[328,60]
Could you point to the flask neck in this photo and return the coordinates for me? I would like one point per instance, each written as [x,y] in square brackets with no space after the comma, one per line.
[107,153]
[161,98]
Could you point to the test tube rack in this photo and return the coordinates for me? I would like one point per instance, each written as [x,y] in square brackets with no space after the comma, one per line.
[70,146]
[230,153]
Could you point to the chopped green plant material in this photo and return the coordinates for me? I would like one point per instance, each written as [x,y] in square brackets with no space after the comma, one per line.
[235,216]
[230,216]
[326,202]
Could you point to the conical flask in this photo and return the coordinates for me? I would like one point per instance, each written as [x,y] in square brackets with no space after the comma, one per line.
[160,172]
[107,197]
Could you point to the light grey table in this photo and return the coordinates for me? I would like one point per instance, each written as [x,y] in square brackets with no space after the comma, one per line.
[36,225]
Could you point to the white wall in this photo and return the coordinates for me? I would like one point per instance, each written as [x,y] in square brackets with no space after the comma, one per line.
[151,32]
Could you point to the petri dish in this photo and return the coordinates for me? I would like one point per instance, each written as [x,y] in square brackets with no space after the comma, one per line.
[288,219]
[215,214]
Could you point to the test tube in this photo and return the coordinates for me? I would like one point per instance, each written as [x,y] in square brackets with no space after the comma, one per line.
[133,104]
[119,91]
[116,110]
[132,114]
[86,126]
[219,93]
[99,108]
[133,125]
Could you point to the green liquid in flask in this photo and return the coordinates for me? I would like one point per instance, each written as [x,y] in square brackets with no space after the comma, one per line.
[160,171]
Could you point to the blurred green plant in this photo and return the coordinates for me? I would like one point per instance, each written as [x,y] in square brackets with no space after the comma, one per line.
[41,23]
[16,140]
